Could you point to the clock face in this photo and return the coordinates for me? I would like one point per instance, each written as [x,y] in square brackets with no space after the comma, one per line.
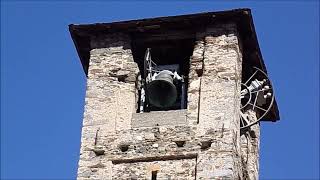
[256,98]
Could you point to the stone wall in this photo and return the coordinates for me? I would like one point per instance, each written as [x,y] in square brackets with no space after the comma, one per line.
[250,142]
[110,99]
[202,142]
[219,101]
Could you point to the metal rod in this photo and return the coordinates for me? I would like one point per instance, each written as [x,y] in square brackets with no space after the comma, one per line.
[260,90]
[147,65]
[183,93]
[251,77]
[142,100]
[258,107]
[255,100]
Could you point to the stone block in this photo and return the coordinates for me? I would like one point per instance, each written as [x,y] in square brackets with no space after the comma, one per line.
[159,118]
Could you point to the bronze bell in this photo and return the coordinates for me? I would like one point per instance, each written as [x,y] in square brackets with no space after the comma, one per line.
[162,91]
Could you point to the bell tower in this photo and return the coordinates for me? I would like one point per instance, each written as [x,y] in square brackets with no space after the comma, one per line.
[178,97]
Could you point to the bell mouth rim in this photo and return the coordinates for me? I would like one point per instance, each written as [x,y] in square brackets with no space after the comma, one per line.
[175,94]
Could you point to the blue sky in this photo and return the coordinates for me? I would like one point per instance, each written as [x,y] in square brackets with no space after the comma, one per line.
[43,84]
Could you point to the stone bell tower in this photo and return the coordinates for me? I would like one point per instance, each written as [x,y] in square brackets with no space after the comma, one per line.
[176,97]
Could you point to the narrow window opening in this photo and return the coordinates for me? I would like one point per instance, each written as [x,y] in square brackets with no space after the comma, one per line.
[154,175]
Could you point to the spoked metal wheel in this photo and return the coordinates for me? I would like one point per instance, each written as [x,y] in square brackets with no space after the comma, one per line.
[256,96]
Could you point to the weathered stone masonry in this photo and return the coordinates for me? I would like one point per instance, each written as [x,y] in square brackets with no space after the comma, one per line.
[201,142]
[110,104]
